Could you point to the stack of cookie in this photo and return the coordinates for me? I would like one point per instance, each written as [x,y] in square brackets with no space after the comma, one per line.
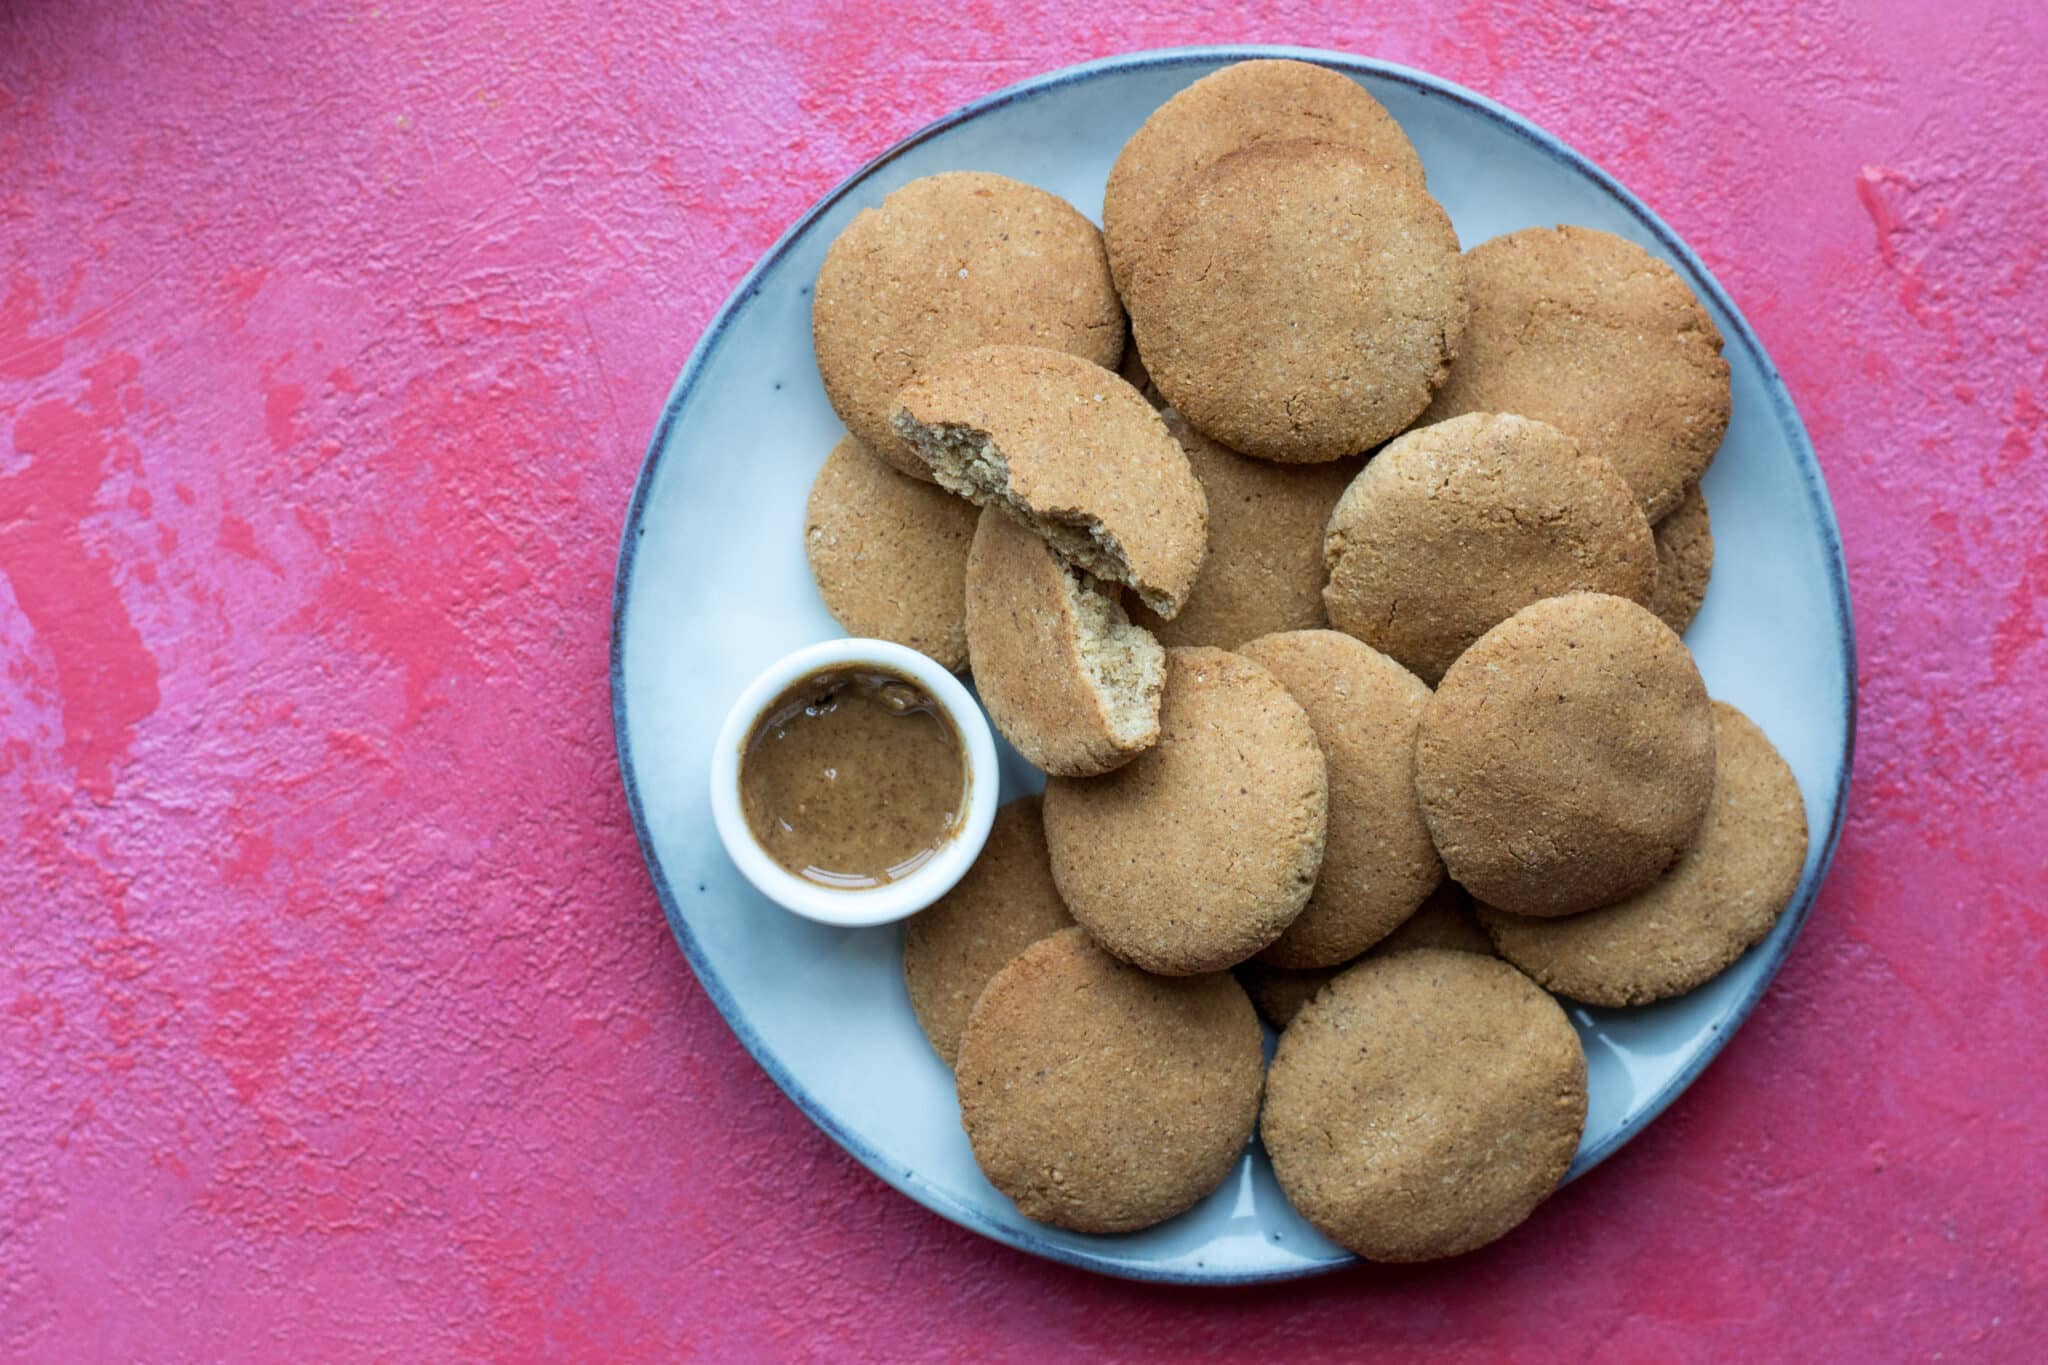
[1395,747]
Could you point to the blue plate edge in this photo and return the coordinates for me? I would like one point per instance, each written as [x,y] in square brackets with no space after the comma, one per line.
[1778,945]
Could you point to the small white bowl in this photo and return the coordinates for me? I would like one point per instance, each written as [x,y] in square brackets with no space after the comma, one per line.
[871,904]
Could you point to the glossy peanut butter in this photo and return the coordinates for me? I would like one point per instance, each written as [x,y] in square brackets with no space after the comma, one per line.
[853,777]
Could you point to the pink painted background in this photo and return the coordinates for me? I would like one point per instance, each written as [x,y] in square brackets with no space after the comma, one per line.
[337,1018]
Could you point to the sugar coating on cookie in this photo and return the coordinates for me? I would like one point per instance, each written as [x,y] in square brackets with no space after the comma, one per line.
[1071,450]
[889,554]
[1594,335]
[1264,571]
[1423,1104]
[1685,560]
[1378,861]
[1723,896]
[1063,674]
[1302,302]
[1445,920]
[1249,102]
[1566,759]
[1103,1099]
[1453,528]
[1005,903]
[1202,850]
[947,262]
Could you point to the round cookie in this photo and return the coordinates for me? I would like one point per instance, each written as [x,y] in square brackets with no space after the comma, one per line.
[1445,920]
[1566,759]
[1250,102]
[1103,1099]
[1378,861]
[1423,1104]
[889,554]
[1005,903]
[1594,335]
[1685,560]
[1201,850]
[1062,672]
[947,262]
[1724,895]
[1264,571]
[1073,451]
[1302,300]
[1453,528]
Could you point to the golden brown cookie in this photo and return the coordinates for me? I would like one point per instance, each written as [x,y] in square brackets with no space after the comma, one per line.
[1004,904]
[1062,672]
[1378,861]
[1264,572]
[889,554]
[1203,849]
[1302,300]
[1594,335]
[1446,920]
[1071,450]
[1685,560]
[1455,527]
[947,262]
[1724,895]
[1100,1098]
[1250,102]
[1566,759]
[1423,1104]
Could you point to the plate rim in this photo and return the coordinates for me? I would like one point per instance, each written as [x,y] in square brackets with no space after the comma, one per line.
[1782,409]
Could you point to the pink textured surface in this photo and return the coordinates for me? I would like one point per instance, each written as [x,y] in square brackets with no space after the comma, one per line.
[337,1018]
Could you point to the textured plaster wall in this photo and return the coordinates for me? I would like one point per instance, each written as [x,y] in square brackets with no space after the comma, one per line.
[337,1018]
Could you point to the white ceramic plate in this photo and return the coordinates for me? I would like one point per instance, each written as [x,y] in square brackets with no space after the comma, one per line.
[713,586]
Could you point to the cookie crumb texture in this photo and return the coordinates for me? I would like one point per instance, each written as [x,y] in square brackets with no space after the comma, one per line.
[1594,335]
[1567,758]
[1103,1099]
[948,262]
[1722,897]
[1423,1104]
[1303,302]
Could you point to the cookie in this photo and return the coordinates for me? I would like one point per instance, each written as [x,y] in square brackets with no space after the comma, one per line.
[1302,301]
[1250,102]
[1602,340]
[1004,904]
[1264,572]
[889,554]
[1131,369]
[1566,759]
[1378,861]
[1455,527]
[1063,674]
[1071,450]
[947,262]
[1685,560]
[1103,1099]
[1201,850]
[1723,896]
[1445,920]
[1423,1104]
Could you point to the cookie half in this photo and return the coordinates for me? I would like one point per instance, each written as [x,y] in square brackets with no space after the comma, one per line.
[1005,903]
[1723,896]
[1594,335]
[889,554]
[1423,1104]
[1453,528]
[1072,451]
[948,262]
[1566,759]
[1201,850]
[1063,674]
[1103,1099]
